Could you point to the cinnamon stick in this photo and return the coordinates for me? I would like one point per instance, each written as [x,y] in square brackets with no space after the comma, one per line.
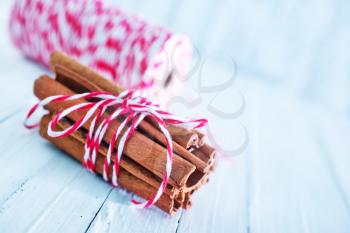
[139,148]
[196,179]
[207,150]
[74,148]
[81,79]
[205,153]
[201,137]
[143,161]
[126,163]
[186,138]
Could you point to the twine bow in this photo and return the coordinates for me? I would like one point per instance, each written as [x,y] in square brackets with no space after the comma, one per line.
[128,104]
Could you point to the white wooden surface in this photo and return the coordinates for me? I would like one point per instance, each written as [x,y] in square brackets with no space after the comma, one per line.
[293,177]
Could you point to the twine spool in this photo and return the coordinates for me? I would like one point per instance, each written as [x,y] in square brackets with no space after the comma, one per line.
[121,46]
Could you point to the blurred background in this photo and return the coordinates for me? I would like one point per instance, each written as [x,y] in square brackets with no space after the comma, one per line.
[291,66]
[300,48]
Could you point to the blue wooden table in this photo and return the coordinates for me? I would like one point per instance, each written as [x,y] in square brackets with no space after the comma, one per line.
[292,177]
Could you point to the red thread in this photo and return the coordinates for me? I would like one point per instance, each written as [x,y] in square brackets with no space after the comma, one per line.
[128,103]
[124,47]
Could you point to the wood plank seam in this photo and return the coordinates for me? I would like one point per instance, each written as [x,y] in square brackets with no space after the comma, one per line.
[99,209]
[179,221]
[52,203]
[11,114]
[20,188]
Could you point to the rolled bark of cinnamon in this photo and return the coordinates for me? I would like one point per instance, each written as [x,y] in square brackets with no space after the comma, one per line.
[206,153]
[196,179]
[143,161]
[80,84]
[139,148]
[131,175]
[81,79]
[186,138]
[127,180]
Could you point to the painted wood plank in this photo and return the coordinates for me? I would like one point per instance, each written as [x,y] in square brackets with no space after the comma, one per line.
[332,132]
[43,187]
[75,207]
[39,184]
[37,194]
[223,204]
[22,155]
[18,91]
[296,174]
[125,218]
[220,206]
[293,189]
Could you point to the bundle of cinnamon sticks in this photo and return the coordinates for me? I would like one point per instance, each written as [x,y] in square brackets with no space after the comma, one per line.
[143,161]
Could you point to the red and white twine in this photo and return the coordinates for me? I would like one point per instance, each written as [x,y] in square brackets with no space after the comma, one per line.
[123,47]
[128,104]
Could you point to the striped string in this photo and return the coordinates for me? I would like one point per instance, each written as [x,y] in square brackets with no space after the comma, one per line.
[128,104]
[121,46]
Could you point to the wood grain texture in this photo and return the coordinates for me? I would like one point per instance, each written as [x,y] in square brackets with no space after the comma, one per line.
[292,180]
[293,177]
